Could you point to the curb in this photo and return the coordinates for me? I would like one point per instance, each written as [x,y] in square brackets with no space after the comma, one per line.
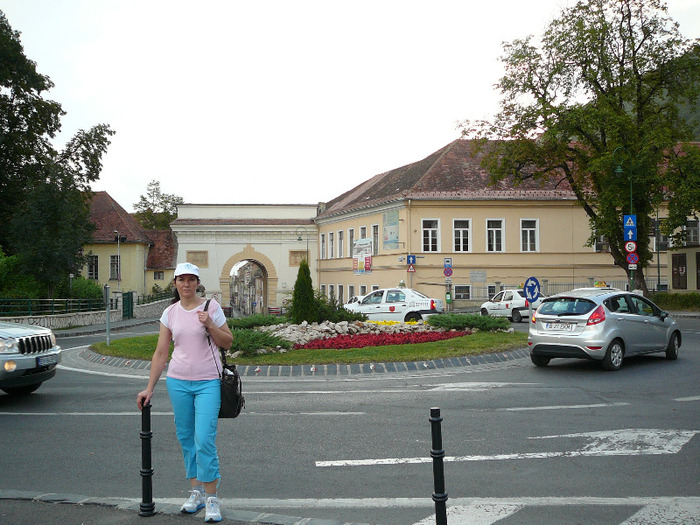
[239,516]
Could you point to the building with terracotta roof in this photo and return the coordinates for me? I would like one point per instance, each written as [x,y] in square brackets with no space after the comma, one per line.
[466,235]
[125,255]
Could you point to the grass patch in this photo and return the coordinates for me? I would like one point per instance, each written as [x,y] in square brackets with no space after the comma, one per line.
[475,344]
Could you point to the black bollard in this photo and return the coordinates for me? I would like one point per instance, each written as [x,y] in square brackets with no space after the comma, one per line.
[437,453]
[147,505]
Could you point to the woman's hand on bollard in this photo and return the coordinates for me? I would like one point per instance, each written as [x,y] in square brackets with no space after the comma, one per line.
[143,399]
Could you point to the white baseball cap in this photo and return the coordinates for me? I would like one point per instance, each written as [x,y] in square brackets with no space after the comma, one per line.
[186,268]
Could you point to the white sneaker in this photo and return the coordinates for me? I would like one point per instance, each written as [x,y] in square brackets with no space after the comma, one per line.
[193,503]
[213,512]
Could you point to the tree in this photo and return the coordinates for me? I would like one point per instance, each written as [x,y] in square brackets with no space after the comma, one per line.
[303,303]
[596,105]
[44,192]
[157,210]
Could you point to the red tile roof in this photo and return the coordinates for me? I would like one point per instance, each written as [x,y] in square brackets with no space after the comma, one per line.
[451,173]
[107,216]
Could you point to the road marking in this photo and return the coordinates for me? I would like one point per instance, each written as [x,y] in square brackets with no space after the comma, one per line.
[684,399]
[427,502]
[624,442]
[98,373]
[137,413]
[476,514]
[477,386]
[562,407]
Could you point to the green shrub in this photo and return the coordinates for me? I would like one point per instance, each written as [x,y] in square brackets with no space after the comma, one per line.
[325,309]
[255,320]
[677,301]
[468,321]
[248,341]
[80,288]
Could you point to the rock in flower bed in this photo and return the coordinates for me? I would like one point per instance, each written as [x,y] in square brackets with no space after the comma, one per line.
[301,334]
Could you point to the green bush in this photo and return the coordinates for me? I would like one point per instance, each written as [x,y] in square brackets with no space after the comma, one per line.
[677,301]
[468,321]
[255,320]
[81,288]
[248,341]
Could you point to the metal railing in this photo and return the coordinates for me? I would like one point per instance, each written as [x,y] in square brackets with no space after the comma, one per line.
[22,307]
[27,307]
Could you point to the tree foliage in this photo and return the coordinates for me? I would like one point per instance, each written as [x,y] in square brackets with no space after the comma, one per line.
[603,89]
[44,192]
[303,304]
[156,210]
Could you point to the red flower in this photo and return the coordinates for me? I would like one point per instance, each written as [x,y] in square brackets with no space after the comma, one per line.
[359,341]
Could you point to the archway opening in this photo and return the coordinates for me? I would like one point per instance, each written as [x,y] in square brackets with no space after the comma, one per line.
[248,287]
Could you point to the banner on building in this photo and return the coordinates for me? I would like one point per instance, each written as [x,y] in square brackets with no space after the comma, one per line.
[362,256]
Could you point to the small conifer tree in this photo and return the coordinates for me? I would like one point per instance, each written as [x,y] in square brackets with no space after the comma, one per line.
[303,304]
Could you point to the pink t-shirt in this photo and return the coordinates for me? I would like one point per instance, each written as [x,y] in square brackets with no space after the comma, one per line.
[192,358]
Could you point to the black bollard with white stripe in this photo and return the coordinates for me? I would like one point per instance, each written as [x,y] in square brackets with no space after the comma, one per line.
[437,453]
[148,506]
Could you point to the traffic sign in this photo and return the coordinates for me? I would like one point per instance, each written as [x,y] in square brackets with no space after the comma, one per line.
[447,272]
[630,246]
[411,268]
[448,262]
[411,259]
[532,289]
[629,221]
[630,233]
[632,258]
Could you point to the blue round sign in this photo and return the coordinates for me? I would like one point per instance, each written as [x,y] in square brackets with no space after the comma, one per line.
[532,289]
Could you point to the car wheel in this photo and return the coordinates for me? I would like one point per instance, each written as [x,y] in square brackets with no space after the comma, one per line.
[673,346]
[413,316]
[613,357]
[21,390]
[484,311]
[516,316]
[539,360]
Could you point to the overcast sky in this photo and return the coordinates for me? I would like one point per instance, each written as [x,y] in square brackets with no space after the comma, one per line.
[279,101]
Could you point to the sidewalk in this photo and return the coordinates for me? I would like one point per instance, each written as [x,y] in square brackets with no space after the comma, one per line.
[28,508]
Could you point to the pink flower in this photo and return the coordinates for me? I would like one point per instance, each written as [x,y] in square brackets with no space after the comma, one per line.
[359,341]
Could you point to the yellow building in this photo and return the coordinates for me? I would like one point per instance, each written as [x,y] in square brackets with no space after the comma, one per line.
[459,233]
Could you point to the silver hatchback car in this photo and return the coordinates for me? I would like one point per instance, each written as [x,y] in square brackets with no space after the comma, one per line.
[603,324]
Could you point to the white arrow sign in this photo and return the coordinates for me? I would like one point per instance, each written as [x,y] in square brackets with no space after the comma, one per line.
[625,442]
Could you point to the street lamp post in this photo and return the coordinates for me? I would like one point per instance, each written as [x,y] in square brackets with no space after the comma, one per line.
[119,261]
[619,172]
[298,234]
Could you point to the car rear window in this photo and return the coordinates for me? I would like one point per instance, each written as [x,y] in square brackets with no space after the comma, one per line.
[566,306]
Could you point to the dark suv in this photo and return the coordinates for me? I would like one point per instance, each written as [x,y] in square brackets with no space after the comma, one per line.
[28,357]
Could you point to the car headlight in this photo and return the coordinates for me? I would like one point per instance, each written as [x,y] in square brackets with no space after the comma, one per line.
[8,346]
[53,339]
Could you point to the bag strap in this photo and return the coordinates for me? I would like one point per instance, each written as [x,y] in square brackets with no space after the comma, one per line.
[222,354]
[223,357]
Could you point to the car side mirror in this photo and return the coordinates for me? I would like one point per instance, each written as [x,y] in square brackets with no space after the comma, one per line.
[663,315]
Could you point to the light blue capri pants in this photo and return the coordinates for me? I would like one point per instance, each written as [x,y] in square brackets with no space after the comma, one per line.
[196,408]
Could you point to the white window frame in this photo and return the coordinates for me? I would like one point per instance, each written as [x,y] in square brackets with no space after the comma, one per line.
[469,291]
[436,230]
[454,236]
[341,248]
[351,241]
[363,289]
[363,232]
[331,245]
[536,231]
[322,245]
[341,294]
[375,239]
[502,229]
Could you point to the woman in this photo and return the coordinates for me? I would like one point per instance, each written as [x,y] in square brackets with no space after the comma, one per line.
[193,384]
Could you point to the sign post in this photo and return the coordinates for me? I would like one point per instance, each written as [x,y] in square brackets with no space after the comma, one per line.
[532,293]
[629,228]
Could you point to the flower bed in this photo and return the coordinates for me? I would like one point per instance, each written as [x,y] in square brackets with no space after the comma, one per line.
[383,339]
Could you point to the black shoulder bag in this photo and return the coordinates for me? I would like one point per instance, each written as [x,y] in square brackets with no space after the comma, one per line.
[232,400]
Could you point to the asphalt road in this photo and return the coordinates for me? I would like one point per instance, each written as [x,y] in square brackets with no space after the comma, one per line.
[568,443]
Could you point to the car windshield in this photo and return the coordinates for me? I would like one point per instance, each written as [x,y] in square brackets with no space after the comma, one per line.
[420,294]
[566,306]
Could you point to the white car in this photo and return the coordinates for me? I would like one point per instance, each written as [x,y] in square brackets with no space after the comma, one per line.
[511,304]
[396,304]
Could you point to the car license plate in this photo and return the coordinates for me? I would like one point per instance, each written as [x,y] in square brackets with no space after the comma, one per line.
[46,360]
[560,327]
